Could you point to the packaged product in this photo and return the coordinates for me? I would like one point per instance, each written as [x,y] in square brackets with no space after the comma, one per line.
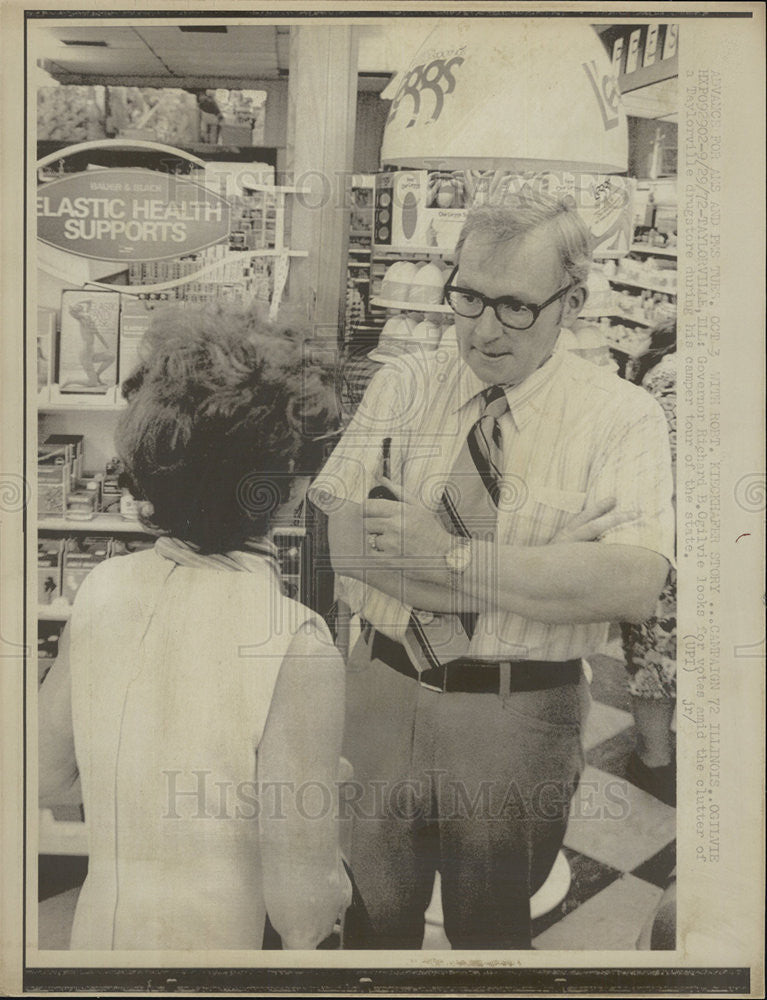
[88,348]
[54,474]
[81,554]
[49,552]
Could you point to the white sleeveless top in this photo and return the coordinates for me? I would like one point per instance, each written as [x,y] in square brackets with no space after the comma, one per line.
[173,671]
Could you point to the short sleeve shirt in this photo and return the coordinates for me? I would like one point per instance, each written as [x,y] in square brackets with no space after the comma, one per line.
[574,434]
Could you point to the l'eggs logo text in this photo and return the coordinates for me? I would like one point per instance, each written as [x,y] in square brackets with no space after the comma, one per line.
[426,78]
[607,94]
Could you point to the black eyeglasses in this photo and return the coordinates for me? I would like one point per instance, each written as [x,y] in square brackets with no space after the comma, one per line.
[511,311]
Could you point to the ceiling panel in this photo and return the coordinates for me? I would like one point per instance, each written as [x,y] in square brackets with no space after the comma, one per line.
[126,53]
[241,49]
[162,51]
[246,64]
[120,62]
[120,38]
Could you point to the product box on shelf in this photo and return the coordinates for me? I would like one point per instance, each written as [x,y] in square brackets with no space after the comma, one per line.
[46,346]
[81,554]
[81,505]
[73,447]
[54,476]
[135,317]
[410,212]
[426,208]
[88,347]
[128,546]
[49,551]
[93,484]
[111,486]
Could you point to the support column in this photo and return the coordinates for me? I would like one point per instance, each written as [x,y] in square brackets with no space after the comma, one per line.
[322,102]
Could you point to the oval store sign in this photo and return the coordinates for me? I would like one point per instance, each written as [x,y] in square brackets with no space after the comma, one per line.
[131,215]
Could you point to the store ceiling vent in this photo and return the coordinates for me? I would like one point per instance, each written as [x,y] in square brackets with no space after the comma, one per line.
[91,43]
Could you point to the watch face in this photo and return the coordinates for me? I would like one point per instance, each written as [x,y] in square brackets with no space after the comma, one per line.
[459,556]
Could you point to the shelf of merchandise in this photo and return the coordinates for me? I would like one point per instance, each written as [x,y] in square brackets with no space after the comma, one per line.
[381,251]
[667,290]
[51,613]
[51,399]
[98,523]
[655,251]
[420,307]
[617,314]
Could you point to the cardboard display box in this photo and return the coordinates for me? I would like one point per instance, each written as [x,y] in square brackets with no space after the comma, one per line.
[88,347]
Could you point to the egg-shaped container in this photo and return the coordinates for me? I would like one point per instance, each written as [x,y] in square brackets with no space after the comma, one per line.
[397,281]
[427,285]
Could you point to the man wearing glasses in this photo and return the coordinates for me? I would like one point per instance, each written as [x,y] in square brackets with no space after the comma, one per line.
[530,505]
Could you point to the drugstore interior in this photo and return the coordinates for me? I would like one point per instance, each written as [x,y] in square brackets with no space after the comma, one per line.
[251,113]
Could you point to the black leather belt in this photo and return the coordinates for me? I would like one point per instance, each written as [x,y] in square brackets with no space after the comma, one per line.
[472,675]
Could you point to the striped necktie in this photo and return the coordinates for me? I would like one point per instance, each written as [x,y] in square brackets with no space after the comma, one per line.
[470,509]
[473,490]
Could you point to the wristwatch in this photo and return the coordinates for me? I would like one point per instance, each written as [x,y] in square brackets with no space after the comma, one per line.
[458,556]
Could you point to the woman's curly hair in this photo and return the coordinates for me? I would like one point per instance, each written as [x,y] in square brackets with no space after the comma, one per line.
[220,410]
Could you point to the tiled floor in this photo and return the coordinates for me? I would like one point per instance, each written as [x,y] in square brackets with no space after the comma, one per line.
[620,845]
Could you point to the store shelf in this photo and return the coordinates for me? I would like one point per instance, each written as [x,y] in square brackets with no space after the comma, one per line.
[47,612]
[79,408]
[421,307]
[667,290]
[99,523]
[617,314]
[381,250]
[656,251]
[51,399]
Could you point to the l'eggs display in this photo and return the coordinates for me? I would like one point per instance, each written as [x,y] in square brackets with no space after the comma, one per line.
[425,209]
